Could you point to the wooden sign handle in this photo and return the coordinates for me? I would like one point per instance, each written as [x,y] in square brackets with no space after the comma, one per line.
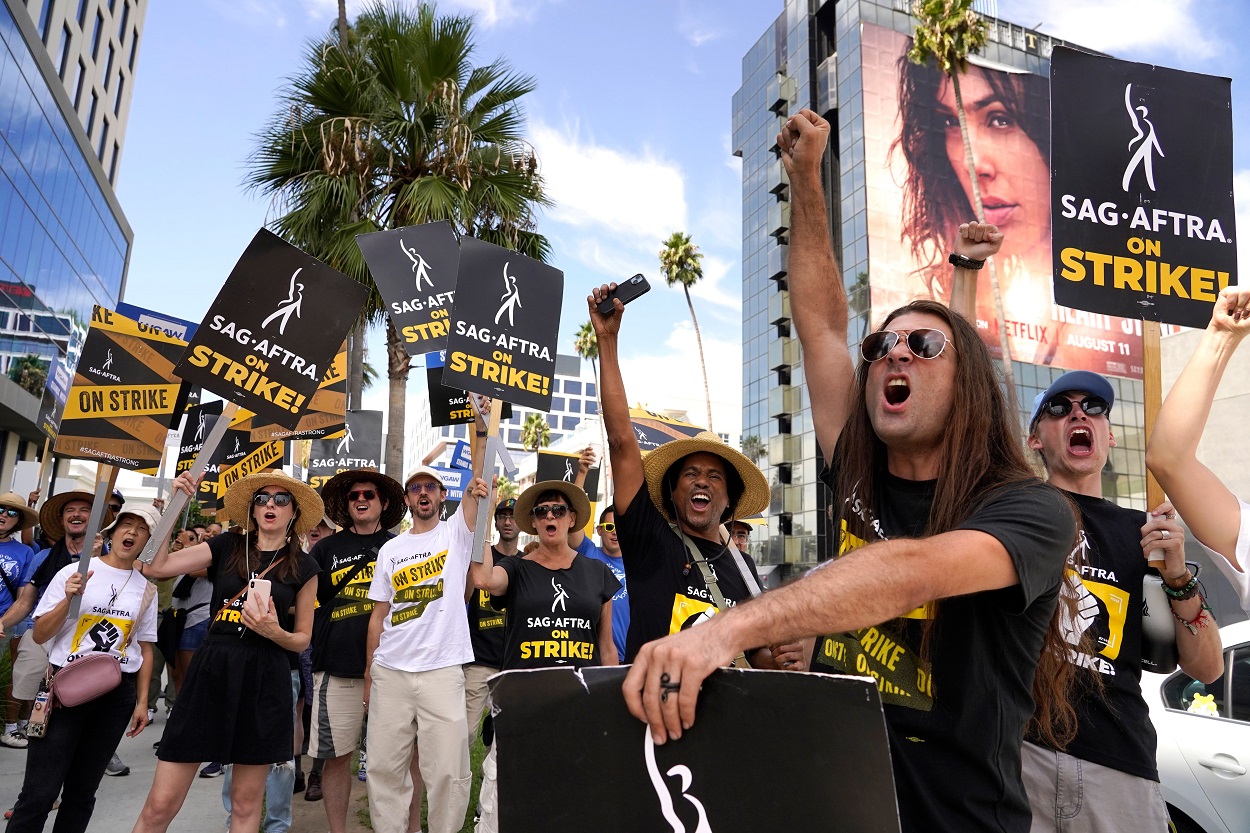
[105,477]
[1152,384]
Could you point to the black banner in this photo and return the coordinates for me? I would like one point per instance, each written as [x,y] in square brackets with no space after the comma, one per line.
[551,770]
[196,427]
[360,447]
[560,465]
[1142,188]
[414,269]
[449,406]
[505,326]
[272,330]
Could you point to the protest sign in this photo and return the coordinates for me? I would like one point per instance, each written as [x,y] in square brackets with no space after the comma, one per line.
[125,394]
[1141,197]
[653,430]
[414,269]
[326,413]
[461,456]
[360,447]
[562,465]
[449,406]
[551,769]
[168,324]
[239,455]
[196,427]
[272,330]
[504,326]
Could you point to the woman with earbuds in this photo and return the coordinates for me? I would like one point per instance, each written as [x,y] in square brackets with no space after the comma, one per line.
[235,706]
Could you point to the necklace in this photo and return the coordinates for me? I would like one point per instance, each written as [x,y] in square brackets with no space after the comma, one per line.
[122,589]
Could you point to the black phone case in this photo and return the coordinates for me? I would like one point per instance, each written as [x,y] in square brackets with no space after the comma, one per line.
[627,292]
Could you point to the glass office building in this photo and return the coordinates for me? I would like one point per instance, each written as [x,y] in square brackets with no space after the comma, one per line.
[845,59]
[64,241]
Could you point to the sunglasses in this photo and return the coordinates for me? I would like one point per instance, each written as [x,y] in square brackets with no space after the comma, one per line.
[923,343]
[424,486]
[1061,406]
[608,527]
[361,494]
[13,513]
[555,510]
[115,508]
[280,499]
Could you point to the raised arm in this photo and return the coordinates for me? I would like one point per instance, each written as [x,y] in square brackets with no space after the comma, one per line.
[584,464]
[1208,507]
[817,297]
[622,441]
[166,564]
[487,576]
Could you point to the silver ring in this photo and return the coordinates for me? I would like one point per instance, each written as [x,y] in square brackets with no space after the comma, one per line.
[1164,533]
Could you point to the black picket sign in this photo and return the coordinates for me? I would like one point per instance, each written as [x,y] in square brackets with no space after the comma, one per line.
[414,269]
[360,447]
[560,465]
[449,406]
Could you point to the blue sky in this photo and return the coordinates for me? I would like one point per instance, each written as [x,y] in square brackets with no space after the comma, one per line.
[631,120]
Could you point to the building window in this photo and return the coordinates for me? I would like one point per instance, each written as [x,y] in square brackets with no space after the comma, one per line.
[45,21]
[571,386]
[121,27]
[108,66]
[117,95]
[113,163]
[568,423]
[95,101]
[95,36]
[575,405]
[592,407]
[557,402]
[82,74]
[82,13]
[104,138]
[134,47]
[66,34]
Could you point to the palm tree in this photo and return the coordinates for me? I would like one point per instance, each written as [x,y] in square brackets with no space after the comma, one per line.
[393,126]
[948,30]
[31,374]
[586,344]
[535,432]
[506,488]
[682,262]
[753,447]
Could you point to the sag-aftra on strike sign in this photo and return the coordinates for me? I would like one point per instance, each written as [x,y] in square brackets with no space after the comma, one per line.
[274,326]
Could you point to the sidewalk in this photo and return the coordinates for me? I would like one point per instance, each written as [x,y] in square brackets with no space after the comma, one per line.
[119,800]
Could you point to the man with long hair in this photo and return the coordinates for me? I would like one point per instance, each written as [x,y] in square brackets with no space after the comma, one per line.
[952,552]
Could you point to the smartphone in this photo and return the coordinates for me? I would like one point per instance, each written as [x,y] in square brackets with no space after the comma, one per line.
[258,591]
[38,725]
[627,291]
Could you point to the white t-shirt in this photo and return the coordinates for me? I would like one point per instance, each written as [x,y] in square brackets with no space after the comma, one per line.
[1239,579]
[110,608]
[422,577]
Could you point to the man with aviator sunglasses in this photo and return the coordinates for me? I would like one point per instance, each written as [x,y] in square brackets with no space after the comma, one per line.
[418,641]
[1113,753]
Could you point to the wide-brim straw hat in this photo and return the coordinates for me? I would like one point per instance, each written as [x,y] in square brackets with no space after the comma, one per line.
[334,494]
[239,500]
[50,513]
[577,499]
[12,500]
[755,495]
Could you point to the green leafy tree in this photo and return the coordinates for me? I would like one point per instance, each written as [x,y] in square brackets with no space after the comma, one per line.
[682,263]
[388,124]
[535,432]
[947,32]
[30,373]
[586,344]
[753,447]
[507,488]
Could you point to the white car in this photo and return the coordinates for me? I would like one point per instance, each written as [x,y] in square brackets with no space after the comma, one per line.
[1203,757]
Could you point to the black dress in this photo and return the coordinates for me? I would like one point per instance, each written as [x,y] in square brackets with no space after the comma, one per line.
[235,703]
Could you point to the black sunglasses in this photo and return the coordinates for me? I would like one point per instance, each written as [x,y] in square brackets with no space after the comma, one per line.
[13,513]
[924,343]
[361,494]
[556,510]
[1061,406]
[280,499]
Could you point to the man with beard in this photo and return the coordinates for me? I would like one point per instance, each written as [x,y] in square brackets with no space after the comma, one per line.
[1112,756]
[64,520]
[946,582]
[418,643]
[365,505]
[668,513]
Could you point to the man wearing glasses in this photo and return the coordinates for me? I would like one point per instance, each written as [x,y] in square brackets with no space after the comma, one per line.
[418,642]
[952,552]
[365,505]
[1113,753]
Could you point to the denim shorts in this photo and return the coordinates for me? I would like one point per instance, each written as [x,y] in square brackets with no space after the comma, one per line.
[193,636]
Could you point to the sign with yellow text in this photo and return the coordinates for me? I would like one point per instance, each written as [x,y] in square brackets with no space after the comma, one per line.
[196,427]
[653,430]
[1141,188]
[271,332]
[125,394]
[324,418]
[414,269]
[504,326]
[360,447]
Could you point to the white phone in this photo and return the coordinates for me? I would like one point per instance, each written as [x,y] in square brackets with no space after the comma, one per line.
[258,592]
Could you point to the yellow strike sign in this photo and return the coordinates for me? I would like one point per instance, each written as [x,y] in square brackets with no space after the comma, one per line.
[499,371]
[121,400]
[251,380]
[259,460]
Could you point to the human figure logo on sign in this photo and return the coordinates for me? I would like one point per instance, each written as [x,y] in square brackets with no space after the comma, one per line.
[294,298]
[682,772]
[1149,142]
[414,269]
[345,444]
[511,297]
[420,268]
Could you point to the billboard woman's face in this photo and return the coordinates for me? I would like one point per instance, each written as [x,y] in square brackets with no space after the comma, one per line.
[1013,176]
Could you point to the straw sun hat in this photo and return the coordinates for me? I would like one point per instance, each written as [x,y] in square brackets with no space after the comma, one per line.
[29,517]
[239,499]
[755,495]
[50,513]
[578,502]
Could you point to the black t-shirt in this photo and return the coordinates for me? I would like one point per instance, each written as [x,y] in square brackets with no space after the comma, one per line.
[552,616]
[667,593]
[228,621]
[956,722]
[341,621]
[1114,730]
[486,624]
[58,557]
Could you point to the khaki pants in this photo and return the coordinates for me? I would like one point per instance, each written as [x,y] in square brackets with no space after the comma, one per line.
[476,695]
[427,707]
[1070,795]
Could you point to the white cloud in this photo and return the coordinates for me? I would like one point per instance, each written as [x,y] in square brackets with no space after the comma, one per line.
[1117,26]
[1241,196]
[494,12]
[671,377]
[697,27]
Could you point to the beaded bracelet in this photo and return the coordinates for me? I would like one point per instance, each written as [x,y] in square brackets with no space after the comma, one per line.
[1187,592]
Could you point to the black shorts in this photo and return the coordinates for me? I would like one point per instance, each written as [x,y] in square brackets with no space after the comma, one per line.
[234,706]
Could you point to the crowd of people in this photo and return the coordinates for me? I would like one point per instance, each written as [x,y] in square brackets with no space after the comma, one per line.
[319,625]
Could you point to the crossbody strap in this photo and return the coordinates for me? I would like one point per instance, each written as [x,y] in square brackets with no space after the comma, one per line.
[148,594]
[261,574]
[347,578]
[709,579]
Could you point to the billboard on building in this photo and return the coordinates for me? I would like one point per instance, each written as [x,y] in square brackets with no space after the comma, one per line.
[916,192]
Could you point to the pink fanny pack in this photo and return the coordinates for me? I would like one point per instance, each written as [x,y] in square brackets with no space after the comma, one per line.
[86,678]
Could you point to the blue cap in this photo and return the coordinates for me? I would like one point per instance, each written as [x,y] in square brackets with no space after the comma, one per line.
[1084,381]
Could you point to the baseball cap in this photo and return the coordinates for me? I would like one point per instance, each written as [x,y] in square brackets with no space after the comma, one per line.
[1085,381]
[428,472]
[144,512]
[508,504]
